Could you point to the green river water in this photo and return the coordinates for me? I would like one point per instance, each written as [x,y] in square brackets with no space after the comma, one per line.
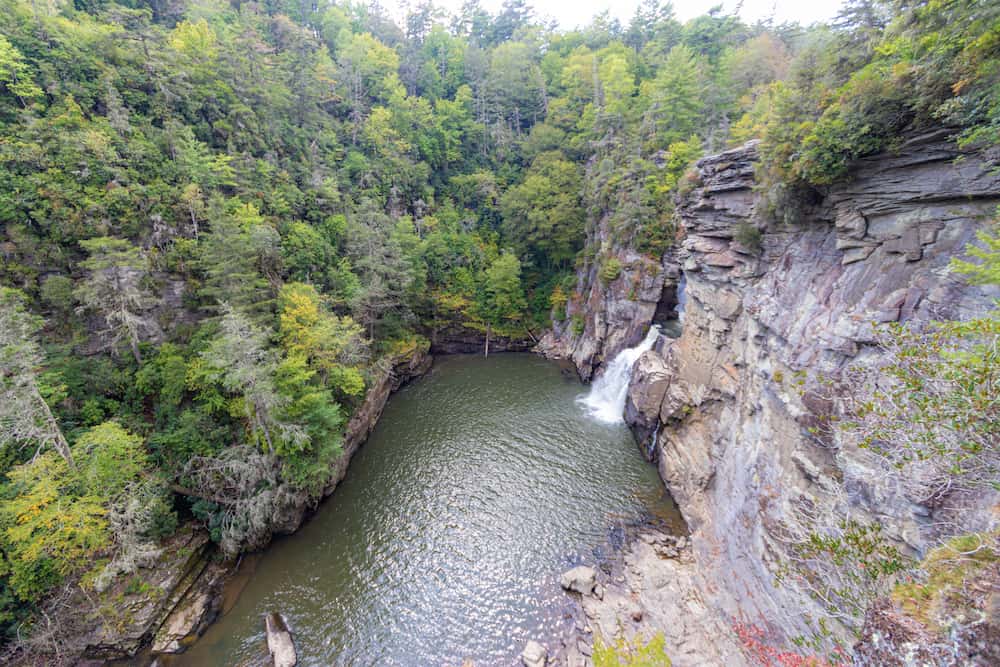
[481,484]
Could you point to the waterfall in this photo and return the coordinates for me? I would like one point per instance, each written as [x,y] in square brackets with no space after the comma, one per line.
[653,442]
[681,298]
[606,400]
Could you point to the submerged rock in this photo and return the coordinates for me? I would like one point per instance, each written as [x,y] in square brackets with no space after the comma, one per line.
[279,641]
[534,655]
[581,579]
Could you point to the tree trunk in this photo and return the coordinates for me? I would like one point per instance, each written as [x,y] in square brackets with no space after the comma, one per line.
[486,351]
[59,440]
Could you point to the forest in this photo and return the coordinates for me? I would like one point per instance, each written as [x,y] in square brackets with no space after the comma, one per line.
[219,218]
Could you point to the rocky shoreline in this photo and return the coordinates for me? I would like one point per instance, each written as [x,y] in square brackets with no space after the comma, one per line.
[649,585]
[729,411]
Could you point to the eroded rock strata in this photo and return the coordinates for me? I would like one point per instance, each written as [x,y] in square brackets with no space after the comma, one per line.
[728,411]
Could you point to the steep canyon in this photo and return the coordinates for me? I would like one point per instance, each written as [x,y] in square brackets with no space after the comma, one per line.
[733,411]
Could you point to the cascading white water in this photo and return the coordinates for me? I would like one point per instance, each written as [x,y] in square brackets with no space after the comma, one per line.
[606,400]
[681,298]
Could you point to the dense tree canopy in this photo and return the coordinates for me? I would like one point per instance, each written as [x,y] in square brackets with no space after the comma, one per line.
[257,201]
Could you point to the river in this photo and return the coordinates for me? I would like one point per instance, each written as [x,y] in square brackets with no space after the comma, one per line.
[481,484]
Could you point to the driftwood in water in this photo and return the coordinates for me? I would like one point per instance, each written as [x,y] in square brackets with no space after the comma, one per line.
[279,641]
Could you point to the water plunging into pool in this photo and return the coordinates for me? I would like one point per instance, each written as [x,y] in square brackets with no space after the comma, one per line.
[481,484]
[606,399]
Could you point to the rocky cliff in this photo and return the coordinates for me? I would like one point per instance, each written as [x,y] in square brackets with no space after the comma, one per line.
[728,411]
[603,317]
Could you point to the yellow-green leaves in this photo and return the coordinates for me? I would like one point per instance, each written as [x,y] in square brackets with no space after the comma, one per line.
[195,40]
[632,654]
[56,520]
[109,457]
[15,74]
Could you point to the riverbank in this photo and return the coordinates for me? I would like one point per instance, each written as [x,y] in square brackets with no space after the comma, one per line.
[651,585]
[187,622]
[161,609]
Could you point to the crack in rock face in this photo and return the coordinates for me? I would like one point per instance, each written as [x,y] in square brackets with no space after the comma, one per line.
[720,409]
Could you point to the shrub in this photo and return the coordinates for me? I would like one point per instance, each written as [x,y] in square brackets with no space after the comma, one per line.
[632,654]
[610,270]
[949,570]
[748,236]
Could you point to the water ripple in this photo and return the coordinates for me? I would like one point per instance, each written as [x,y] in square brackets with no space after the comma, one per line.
[480,484]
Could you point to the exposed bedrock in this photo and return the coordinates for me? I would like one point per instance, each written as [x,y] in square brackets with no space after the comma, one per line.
[604,318]
[723,410]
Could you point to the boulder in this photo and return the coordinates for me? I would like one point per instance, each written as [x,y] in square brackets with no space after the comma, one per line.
[534,655]
[580,579]
[184,623]
[279,641]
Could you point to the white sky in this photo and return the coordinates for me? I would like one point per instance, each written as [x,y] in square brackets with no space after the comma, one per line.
[574,13]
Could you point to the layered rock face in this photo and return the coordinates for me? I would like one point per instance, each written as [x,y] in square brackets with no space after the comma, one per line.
[728,411]
[603,318]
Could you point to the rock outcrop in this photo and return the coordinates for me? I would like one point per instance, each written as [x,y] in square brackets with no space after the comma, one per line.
[456,338]
[116,623]
[534,655]
[581,579]
[728,410]
[604,317]
[656,589]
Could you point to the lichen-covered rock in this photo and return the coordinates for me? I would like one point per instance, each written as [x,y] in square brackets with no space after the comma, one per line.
[136,605]
[195,610]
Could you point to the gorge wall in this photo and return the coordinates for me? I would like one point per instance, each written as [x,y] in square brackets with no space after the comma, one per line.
[728,411]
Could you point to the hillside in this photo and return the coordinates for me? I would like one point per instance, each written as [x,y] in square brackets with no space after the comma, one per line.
[230,229]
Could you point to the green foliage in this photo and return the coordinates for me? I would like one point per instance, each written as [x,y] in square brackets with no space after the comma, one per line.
[749,236]
[543,216]
[501,299]
[934,62]
[635,654]
[986,271]
[50,528]
[108,458]
[15,75]
[611,268]
[331,344]
[941,597]
[54,516]
[933,415]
